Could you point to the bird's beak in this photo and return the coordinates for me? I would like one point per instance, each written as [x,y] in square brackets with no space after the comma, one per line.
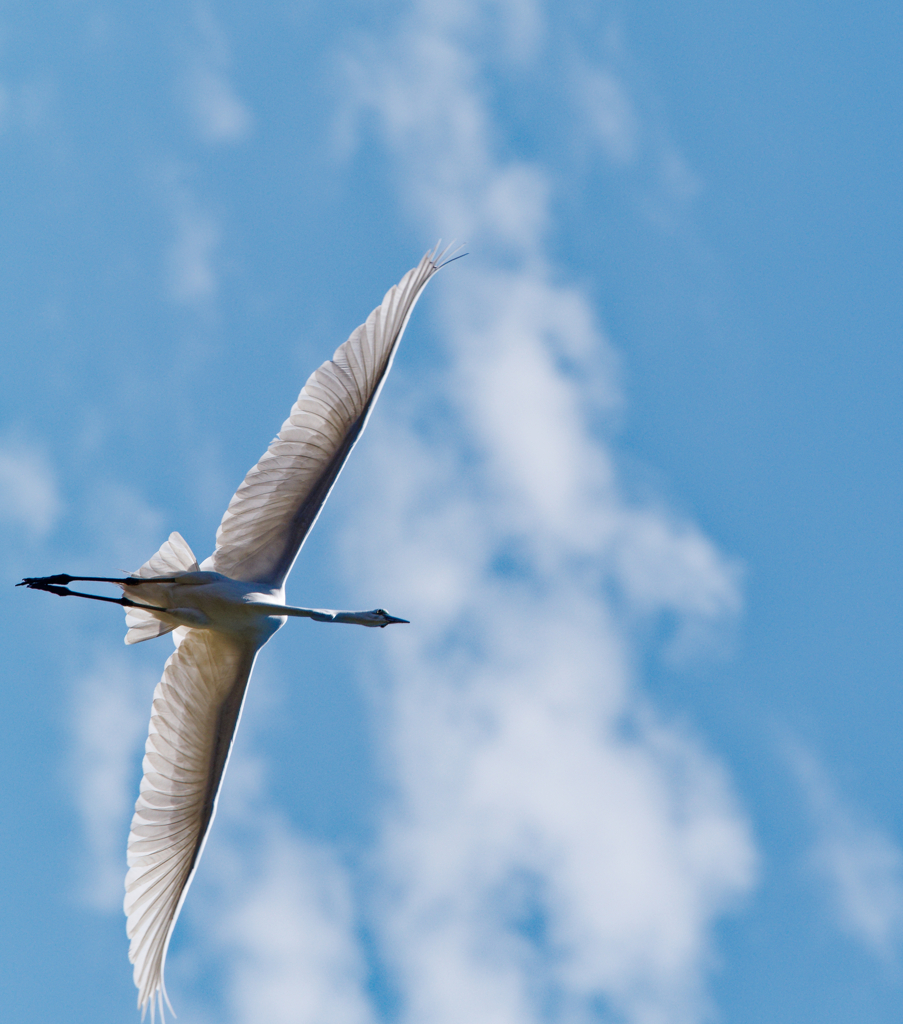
[391,618]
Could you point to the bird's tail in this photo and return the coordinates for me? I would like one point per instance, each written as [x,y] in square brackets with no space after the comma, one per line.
[174,557]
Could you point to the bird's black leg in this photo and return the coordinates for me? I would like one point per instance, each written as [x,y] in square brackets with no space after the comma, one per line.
[52,585]
[62,578]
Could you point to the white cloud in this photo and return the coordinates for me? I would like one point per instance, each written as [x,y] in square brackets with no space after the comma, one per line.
[425,90]
[861,865]
[287,928]
[219,115]
[532,783]
[610,114]
[536,854]
[192,276]
[554,847]
[111,711]
[191,272]
[607,104]
[127,530]
[29,495]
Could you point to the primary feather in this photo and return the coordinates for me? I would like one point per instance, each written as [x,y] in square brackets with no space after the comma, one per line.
[279,500]
[197,705]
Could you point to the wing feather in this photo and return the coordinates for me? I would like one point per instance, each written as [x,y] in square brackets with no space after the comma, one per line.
[196,709]
[275,507]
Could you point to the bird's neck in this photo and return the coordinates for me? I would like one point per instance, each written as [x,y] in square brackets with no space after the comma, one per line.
[318,614]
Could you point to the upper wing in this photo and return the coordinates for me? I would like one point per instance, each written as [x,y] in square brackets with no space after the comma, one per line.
[279,501]
[196,709]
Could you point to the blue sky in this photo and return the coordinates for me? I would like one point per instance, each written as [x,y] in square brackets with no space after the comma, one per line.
[634,479]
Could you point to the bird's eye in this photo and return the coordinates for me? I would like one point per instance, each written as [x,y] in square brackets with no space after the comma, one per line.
[381,611]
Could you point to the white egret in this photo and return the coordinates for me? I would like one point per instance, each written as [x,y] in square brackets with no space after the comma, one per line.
[222,612]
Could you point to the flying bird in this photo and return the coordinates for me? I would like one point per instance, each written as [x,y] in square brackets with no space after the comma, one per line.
[223,611]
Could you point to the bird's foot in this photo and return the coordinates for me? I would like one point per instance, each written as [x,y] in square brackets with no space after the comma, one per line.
[44,582]
[51,584]
[51,588]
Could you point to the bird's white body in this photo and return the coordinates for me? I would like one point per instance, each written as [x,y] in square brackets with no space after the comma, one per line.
[209,600]
[223,611]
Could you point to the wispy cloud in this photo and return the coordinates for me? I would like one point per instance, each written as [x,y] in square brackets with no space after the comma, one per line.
[128,530]
[424,86]
[288,930]
[554,847]
[217,113]
[29,494]
[860,864]
[552,840]
[192,276]
[109,723]
[610,114]
[608,96]
[218,116]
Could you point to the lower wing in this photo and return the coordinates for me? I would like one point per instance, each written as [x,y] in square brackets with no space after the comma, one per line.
[197,705]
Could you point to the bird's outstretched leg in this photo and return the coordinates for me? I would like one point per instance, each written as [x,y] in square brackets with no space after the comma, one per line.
[52,585]
[62,578]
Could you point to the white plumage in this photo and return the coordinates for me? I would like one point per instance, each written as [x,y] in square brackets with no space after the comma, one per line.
[197,705]
[224,611]
[279,501]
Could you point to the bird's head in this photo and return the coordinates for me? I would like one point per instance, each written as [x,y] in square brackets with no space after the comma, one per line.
[378,617]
